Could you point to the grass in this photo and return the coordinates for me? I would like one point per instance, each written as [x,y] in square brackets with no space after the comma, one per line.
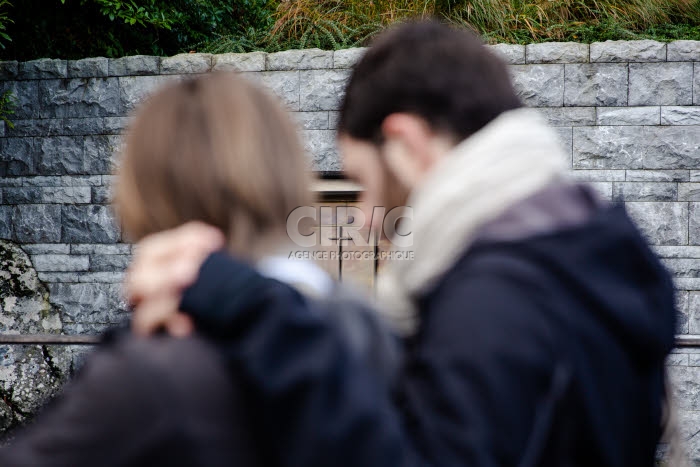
[338,24]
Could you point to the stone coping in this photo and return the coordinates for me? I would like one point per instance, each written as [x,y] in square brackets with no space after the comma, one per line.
[312,59]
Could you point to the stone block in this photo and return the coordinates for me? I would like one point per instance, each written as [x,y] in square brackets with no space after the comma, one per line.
[683,51]
[9,69]
[689,191]
[513,54]
[100,249]
[608,147]
[134,89]
[556,52]
[599,175]
[645,191]
[114,125]
[47,249]
[683,267]
[595,84]
[89,303]
[283,84]
[186,64]
[59,127]
[60,155]
[569,116]
[79,97]
[677,251]
[6,228]
[37,223]
[694,312]
[60,263]
[101,195]
[321,149]
[101,153]
[628,51]
[671,147]
[694,223]
[658,176]
[66,195]
[628,115]
[682,309]
[662,223]
[661,84]
[311,120]
[696,83]
[348,58]
[322,89]
[89,224]
[44,68]
[109,262]
[304,59]
[19,155]
[254,61]
[21,195]
[66,180]
[93,67]
[680,115]
[26,97]
[134,65]
[539,85]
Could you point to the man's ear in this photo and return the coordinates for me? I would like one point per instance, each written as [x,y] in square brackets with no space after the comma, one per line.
[411,132]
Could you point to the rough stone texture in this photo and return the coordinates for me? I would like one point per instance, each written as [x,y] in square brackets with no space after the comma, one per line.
[43,68]
[135,65]
[660,84]
[306,59]
[683,51]
[134,89]
[609,147]
[254,61]
[645,191]
[671,147]
[689,192]
[628,116]
[29,375]
[658,176]
[186,63]
[539,85]
[556,52]
[513,54]
[26,97]
[596,84]
[680,115]
[322,89]
[348,58]
[628,51]
[89,224]
[9,69]
[79,97]
[88,68]
[663,223]
[569,116]
[37,223]
[320,145]
[284,84]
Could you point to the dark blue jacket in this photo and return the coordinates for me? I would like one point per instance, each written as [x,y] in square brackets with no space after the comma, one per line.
[547,350]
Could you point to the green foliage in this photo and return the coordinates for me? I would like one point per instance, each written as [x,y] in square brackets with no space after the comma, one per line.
[4,21]
[8,104]
[112,28]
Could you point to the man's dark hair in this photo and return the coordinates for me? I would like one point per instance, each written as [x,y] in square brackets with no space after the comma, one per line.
[444,75]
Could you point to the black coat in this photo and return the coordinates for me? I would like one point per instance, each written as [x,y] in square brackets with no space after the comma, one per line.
[542,351]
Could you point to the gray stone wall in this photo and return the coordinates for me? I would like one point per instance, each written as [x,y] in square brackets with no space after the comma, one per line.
[628,114]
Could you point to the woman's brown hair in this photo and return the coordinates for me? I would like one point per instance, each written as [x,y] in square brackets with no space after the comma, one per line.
[215,149]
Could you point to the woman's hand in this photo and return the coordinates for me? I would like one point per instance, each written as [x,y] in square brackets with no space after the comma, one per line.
[164,265]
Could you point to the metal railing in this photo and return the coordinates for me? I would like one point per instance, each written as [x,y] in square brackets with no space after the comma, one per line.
[682,340]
